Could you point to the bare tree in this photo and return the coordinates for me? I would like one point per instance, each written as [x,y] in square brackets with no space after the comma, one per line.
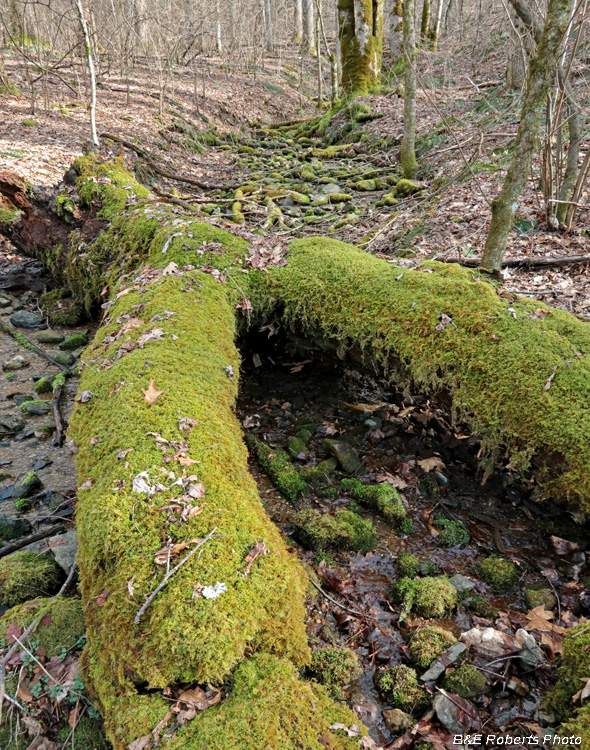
[408,150]
[298,21]
[308,39]
[91,73]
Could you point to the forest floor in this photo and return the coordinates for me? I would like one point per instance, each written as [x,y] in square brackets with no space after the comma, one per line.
[401,437]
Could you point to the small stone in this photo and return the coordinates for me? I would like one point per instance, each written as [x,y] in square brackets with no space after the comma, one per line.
[397,721]
[13,528]
[26,319]
[10,425]
[531,655]
[518,686]
[535,597]
[50,337]
[330,188]
[74,342]
[447,713]
[461,583]
[4,301]
[347,456]
[26,485]
[44,432]
[64,358]
[35,408]
[64,550]
[16,363]
[438,666]
[20,398]
[373,424]
[44,384]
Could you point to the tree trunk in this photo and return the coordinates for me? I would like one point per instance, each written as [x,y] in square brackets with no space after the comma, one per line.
[298,22]
[396,30]
[435,30]
[218,38]
[268,26]
[308,41]
[517,57]
[541,73]
[408,149]
[90,63]
[360,32]
[6,85]
[425,25]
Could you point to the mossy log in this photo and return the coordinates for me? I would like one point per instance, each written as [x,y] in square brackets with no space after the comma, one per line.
[163,371]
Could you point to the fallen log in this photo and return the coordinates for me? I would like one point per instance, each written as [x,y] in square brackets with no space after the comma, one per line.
[524,261]
[170,464]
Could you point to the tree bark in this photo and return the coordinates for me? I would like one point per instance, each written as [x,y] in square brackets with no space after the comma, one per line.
[425,24]
[91,73]
[298,21]
[268,26]
[408,148]
[360,33]
[541,73]
[396,30]
[308,41]
[435,30]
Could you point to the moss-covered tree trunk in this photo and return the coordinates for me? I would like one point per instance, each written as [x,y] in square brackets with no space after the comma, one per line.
[408,149]
[425,24]
[360,33]
[541,75]
[434,31]
[159,447]
[396,30]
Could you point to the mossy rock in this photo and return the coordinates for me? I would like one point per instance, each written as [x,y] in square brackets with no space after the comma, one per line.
[365,185]
[404,188]
[453,533]
[334,667]
[466,681]
[339,197]
[428,643]
[30,123]
[44,384]
[343,530]
[295,446]
[537,596]
[428,597]
[481,607]
[88,735]
[321,472]
[573,669]
[277,464]
[61,627]
[26,575]
[74,342]
[299,198]
[408,565]
[399,686]
[388,199]
[247,150]
[13,528]
[499,573]
[320,200]
[381,498]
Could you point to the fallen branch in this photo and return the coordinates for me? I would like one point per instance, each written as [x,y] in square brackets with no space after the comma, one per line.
[170,573]
[24,342]
[164,172]
[8,549]
[58,384]
[522,262]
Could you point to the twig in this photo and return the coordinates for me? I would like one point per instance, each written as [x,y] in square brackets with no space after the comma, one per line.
[8,549]
[334,601]
[170,573]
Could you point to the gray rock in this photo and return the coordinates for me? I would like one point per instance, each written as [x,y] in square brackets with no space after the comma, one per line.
[16,363]
[447,713]
[64,358]
[448,657]
[518,686]
[10,425]
[26,319]
[50,337]
[65,548]
[397,721]
[461,583]
[20,398]
[531,655]
[537,595]
[13,528]
[331,189]
[346,455]
[4,301]
[26,485]
[373,424]
[35,408]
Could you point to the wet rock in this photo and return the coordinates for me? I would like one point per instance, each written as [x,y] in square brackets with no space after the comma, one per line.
[346,455]
[26,319]
[35,408]
[295,446]
[530,655]
[64,549]
[41,464]
[397,721]
[4,301]
[50,337]
[540,595]
[451,716]
[13,528]
[26,484]
[16,363]
[10,425]
[328,635]
[74,342]
[330,188]
[64,358]
[20,398]
[491,643]
[461,583]
[44,384]
[448,657]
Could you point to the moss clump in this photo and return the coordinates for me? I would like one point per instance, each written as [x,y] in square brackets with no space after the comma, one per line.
[321,472]
[23,504]
[26,575]
[500,573]
[7,216]
[574,667]
[365,185]
[453,533]
[342,530]
[35,408]
[428,643]
[339,197]
[114,191]
[88,735]
[61,627]
[428,597]
[74,342]
[405,187]
[30,123]
[465,681]
[295,446]
[277,464]
[44,384]
[399,686]
[299,197]
[382,498]
[482,608]
[408,566]
[334,667]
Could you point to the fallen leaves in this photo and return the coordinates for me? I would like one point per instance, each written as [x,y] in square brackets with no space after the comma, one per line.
[431,464]
[258,549]
[84,397]
[164,555]
[152,394]
[551,634]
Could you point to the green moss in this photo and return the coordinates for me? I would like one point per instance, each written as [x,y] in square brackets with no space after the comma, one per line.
[321,472]
[405,187]
[365,185]
[342,530]
[65,207]
[277,464]
[339,197]
[482,608]
[466,681]
[295,446]
[115,189]
[428,643]
[44,384]
[61,626]
[334,667]
[26,575]
[408,566]
[453,533]
[499,573]
[574,668]
[88,735]
[74,342]
[13,735]
[428,597]
[25,408]
[7,216]
[29,123]
[399,685]
[382,498]
[23,504]
[59,380]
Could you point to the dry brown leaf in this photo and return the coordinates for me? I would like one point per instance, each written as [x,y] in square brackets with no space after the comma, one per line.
[130,586]
[152,393]
[431,464]
[86,485]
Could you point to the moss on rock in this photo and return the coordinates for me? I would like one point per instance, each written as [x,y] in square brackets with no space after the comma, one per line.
[61,627]
[408,565]
[382,498]
[342,530]
[428,643]
[499,573]
[465,681]
[334,667]
[26,575]
[428,597]
[453,533]
[277,464]
[399,685]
